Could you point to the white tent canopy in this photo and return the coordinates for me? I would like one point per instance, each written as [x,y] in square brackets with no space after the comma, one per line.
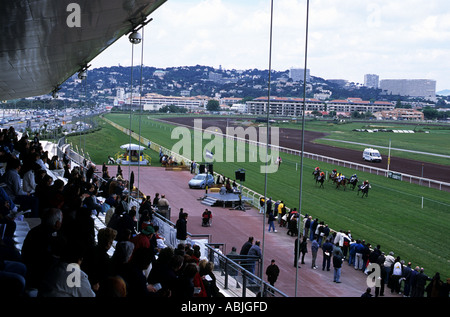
[132,147]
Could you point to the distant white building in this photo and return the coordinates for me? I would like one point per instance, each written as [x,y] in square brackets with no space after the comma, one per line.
[350,105]
[284,106]
[229,100]
[298,74]
[120,93]
[371,80]
[400,114]
[424,88]
[154,101]
[239,107]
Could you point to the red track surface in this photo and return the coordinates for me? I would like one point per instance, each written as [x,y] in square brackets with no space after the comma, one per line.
[233,227]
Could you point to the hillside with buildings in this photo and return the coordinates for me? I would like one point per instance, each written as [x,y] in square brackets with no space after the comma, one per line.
[191,88]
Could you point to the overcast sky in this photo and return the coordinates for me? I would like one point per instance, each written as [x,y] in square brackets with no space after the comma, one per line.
[396,39]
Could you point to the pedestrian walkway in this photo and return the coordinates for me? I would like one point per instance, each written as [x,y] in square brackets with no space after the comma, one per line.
[233,227]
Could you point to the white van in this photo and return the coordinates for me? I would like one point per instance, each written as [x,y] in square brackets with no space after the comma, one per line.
[371,155]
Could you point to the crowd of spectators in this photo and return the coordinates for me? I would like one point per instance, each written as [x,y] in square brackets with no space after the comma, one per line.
[65,255]
[396,275]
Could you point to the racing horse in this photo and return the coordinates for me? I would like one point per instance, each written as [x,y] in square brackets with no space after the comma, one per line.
[364,188]
[316,173]
[353,181]
[341,181]
[333,176]
[320,178]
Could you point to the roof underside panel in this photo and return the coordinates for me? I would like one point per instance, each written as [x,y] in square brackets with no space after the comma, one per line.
[39,51]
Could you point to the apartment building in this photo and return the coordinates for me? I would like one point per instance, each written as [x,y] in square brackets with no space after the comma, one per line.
[424,88]
[154,101]
[399,114]
[350,105]
[284,106]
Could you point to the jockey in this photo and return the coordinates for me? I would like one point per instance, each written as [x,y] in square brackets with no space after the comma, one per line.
[316,171]
[353,177]
[365,184]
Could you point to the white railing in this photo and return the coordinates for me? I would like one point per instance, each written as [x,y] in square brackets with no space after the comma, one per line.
[431,183]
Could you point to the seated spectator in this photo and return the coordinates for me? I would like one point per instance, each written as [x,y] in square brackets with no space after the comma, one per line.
[132,273]
[209,280]
[122,222]
[56,194]
[29,179]
[166,269]
[99,266]
[15,191]
[7,212]
[41,246]
[43,191]
[121,256]
[56,282]
[206,218]
[142,240]
[12,278]
[160,240]
[91,201]
[114,286]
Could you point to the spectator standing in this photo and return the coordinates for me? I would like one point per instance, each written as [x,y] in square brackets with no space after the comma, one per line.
[327,249]
[232,269]
[254,251]
[351,253]
[337,265]
[407,270]
[272,272]
[303,249]
[163,202]
[314,250]
[246,246]
[359,249]
[397,273]
[270,221]
[421,280]
[387,267]
[261,204]
[181,227]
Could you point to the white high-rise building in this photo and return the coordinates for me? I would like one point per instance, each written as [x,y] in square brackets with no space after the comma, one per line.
[298,74]
[371,80]
[424,88]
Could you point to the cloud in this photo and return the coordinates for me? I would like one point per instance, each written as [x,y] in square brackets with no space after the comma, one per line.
[347,38]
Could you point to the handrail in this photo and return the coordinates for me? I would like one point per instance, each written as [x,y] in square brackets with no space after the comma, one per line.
[231,268]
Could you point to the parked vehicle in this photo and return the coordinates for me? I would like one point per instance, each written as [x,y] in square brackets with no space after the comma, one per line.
[201,180]
[371,155]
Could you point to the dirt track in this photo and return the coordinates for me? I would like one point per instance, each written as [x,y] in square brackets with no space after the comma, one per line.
[291,138]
